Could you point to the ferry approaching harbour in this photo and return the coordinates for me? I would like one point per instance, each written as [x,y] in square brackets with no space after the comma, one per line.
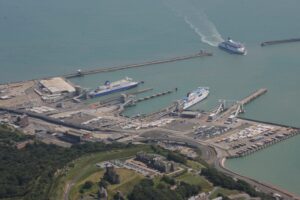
[195,97]
[112,87]
[233,47]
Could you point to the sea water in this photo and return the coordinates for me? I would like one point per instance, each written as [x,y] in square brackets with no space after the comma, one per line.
[43,38]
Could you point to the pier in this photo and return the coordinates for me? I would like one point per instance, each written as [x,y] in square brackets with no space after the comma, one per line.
[237,108]
[153,96]
[123,67]
[253,96]
[272,42]
[161,113]
[122,97]
[129,99]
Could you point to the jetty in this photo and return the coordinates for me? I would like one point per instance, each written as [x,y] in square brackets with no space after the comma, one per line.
[253,96]
[123,67]
[272,42]
[221,112]
[154,95]
[122,98]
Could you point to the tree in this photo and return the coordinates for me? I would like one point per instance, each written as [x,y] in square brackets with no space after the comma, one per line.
[220,179]
[176,157]
[103,183]
[111,175]
[146,190]
[118,196]
[87,185]
[168,180]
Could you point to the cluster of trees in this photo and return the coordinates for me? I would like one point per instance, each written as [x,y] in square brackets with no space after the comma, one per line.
[169,180]
[223,196]
[176,157]
[29,173]
[111,175]
[87,185]
[118,196]
[220,179]
[147,190]
[9,137]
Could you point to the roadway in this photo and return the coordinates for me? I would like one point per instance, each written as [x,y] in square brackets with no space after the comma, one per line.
[216,157]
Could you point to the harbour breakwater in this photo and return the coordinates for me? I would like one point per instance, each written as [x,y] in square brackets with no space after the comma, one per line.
[279,41]
[79,73]
[122,67]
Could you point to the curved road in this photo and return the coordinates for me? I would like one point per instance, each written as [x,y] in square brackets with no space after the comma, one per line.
[217,157]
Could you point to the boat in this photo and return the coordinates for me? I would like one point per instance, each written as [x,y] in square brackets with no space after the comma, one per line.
[195,97]
[112,87]
[233,47]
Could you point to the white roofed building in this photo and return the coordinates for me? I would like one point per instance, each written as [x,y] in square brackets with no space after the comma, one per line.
[57,85]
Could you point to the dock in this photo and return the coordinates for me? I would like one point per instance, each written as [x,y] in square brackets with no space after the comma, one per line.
[253,96]
[238,107]
[161,113]
[272,42]
[123,67]
[153,96]
[122,97]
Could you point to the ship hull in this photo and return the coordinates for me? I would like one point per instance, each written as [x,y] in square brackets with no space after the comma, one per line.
[196,100]
[107,92]
[231,50]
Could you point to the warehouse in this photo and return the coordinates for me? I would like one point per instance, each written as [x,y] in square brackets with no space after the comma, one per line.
[57,85]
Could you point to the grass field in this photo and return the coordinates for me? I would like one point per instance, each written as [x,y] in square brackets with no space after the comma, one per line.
[128,179]
[195,180]
[223,191]
[194,165]
[84,167]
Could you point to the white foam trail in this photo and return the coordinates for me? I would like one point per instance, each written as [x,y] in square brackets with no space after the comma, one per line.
[197,21]
[209,35]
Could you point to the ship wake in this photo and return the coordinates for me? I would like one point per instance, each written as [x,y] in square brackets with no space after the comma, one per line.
[197,20]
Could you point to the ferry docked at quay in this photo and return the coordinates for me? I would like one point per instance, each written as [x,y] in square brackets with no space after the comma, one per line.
[233,47]
[112,87]
[195,97]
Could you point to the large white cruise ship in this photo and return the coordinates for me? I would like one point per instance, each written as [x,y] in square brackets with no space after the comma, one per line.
[111,87]
[195,97]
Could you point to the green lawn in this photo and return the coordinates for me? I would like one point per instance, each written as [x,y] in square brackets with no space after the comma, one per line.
[194,165]
[85,166]
[223,191]
[128,179]
[195,179]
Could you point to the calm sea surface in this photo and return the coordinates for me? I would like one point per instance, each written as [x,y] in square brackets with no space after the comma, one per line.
[42,38]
